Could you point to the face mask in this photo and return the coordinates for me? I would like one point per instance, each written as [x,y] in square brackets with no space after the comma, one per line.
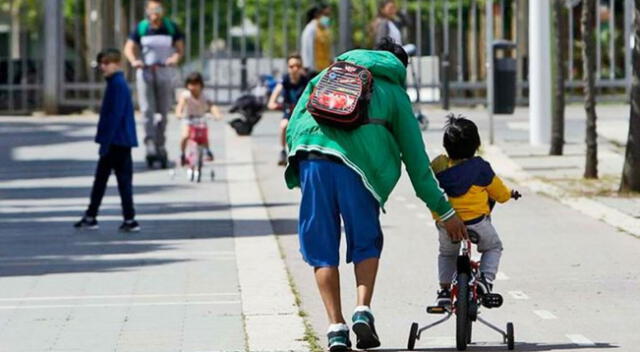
[325,21]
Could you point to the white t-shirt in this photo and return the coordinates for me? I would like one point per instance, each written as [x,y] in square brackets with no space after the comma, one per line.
[195,107]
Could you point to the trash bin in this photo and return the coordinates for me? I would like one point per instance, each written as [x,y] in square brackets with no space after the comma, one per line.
[504,78]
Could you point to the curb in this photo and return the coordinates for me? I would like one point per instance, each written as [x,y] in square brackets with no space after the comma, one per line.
[504,166]
[271,318]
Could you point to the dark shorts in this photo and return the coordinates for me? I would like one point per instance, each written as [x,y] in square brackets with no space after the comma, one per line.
[331,191]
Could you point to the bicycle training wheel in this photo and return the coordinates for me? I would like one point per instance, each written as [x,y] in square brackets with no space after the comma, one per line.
[413,335]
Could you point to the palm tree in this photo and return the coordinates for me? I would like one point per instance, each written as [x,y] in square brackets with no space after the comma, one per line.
[557,122]
[588,51]
[631,170]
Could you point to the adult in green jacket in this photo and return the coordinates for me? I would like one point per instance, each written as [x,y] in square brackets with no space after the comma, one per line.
[350,174]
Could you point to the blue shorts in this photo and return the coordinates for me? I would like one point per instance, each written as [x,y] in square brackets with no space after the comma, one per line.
[331,190]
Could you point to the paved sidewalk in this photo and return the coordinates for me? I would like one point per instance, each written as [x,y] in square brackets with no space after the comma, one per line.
[182,284]
[561,177]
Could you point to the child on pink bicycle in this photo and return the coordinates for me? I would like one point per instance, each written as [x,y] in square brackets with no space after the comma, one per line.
[192,108]
[473,188]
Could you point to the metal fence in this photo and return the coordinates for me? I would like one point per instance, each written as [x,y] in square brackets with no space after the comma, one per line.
[232,42]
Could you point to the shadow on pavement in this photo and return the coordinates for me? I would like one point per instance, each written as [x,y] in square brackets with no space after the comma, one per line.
[14,135]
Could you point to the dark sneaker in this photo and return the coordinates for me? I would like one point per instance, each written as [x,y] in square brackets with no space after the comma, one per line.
[282,161]
[484,286]
[339,341]
[365,330]
[130,226]
[86,223]
[444,298]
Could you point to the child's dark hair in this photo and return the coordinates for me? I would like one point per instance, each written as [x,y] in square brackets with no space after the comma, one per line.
[111,55]
[461,138]
[194,78]
[387,44]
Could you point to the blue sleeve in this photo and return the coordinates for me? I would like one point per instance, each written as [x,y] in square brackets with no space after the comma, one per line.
[115,101]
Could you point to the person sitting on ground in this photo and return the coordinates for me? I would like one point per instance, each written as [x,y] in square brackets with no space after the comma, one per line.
[350,174]
[193,104]
[116,135]
[473,188]
[291,88]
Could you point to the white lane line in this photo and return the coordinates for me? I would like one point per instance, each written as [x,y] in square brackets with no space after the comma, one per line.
[410,206]
[580,340]
[62,298]
[500,276]
[545,314]
[518,295]
[111,305]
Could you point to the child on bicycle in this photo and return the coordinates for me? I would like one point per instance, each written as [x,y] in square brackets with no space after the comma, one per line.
[291,88]
[193,104]
[472,188]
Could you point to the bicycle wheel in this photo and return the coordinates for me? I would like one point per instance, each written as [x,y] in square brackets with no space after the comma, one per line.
[200,163]
[462,312]
[510,336]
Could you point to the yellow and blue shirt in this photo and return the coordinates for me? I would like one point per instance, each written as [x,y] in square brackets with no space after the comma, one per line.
[469,184]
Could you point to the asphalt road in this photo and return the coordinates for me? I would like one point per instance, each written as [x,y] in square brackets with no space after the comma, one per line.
[570,282]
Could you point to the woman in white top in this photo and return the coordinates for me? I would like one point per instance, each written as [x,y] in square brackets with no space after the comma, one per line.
[385,25]
[193,104]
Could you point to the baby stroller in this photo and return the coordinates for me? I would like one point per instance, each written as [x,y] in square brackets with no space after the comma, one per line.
[251,106]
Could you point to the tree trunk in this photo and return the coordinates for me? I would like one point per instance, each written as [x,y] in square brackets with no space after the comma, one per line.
[557,122]
[631,171]
[588,35]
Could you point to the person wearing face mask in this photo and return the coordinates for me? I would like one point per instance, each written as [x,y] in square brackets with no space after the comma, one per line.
[154,48]
[386,23]
[316,40]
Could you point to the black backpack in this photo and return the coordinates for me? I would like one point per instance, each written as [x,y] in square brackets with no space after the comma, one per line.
[341,97]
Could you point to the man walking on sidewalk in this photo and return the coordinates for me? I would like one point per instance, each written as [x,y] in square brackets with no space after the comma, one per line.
[116,136]
[155,46]
[350,174]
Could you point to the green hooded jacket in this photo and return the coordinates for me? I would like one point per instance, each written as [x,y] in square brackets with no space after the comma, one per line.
[373,150]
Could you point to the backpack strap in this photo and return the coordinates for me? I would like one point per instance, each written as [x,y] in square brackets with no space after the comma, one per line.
[143,27]
[171,27]
[380,122]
